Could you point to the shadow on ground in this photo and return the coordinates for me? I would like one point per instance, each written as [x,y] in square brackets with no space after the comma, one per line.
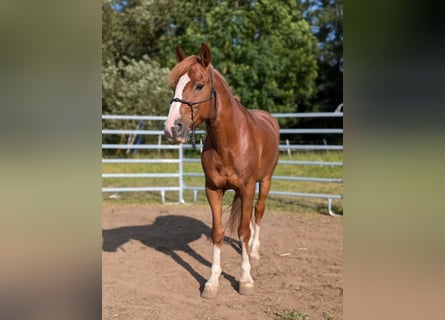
[168,234]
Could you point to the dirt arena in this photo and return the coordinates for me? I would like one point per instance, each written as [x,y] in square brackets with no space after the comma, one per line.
[156,259]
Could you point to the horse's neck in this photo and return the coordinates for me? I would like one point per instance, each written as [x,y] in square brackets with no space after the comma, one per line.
[223,131]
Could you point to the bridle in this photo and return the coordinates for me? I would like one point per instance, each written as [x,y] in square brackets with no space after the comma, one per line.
[191,104]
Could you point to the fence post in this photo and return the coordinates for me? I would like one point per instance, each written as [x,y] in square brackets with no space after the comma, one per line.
[288,148]
[181,174]
[159,144]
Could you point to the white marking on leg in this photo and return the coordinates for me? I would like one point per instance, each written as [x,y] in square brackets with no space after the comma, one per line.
[255,241]
[245,265]
[174,113]
[252,231]
[216,268]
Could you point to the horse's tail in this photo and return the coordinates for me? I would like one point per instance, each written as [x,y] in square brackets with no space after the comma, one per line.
[234,219]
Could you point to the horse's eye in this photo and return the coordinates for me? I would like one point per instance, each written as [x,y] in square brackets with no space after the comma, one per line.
[199,86]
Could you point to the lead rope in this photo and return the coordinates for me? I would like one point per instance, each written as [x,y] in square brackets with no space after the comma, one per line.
[193,129]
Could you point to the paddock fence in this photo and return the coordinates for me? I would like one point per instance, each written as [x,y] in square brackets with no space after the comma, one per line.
[130,147]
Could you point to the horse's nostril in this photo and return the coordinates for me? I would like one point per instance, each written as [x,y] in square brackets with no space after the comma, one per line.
[178,128]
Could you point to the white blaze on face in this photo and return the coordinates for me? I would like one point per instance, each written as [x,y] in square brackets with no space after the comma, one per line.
[174,113]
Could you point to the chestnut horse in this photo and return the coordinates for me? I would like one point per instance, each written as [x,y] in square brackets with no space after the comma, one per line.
[241,148]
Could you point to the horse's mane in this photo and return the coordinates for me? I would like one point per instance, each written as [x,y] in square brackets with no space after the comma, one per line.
[224,83]
[181,68]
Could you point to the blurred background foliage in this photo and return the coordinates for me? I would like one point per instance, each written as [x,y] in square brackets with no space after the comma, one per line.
[277,55]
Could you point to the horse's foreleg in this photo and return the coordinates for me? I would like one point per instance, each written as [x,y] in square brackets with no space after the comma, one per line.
[215,200]
[260,206]
[244,232]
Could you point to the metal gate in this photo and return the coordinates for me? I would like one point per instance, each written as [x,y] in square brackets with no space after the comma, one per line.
[285,147]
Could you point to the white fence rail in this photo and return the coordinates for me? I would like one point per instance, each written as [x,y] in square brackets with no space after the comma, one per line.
[180,160]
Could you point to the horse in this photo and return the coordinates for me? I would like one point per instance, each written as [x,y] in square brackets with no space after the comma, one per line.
[241,149]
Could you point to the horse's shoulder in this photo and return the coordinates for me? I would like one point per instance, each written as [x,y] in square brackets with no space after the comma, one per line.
[264,116]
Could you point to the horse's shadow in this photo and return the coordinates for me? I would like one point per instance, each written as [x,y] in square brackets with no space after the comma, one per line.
[168,234]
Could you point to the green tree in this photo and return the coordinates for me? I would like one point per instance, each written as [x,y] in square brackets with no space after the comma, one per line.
[326,20]
[265,49]
[135,87]
[135,30]
[133,82]
[277,55]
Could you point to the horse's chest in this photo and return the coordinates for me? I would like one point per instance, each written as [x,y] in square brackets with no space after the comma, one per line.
[219,174]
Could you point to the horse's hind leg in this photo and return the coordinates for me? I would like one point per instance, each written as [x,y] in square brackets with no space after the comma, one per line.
[260,206]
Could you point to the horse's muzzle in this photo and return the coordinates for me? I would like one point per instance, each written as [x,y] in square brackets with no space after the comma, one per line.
[178,133]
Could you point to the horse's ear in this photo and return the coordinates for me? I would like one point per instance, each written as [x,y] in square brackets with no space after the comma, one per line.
[205,55]
[180,55]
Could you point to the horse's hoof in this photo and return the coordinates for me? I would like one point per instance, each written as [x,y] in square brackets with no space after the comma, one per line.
[246,288]
[209,292]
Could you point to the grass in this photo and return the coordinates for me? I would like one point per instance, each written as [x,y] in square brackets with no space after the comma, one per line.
[292,315]
[276,202]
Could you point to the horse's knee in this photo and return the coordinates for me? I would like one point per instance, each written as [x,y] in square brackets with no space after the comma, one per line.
[217,235]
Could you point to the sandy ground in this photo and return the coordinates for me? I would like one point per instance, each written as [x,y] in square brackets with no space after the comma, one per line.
[156,259]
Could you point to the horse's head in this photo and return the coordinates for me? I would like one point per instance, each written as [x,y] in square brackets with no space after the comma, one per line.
[194,97]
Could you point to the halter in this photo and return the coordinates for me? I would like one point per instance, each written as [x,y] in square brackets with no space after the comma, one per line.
[191,104]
